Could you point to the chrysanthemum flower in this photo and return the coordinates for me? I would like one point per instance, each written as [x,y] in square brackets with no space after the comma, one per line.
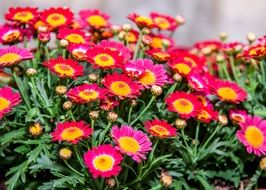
[79,51]
[73,36]
[57,17]
[132,142]
[10,35]
[237,116]
[141,21]
[253,135]
[228,91]
[132,70]
[103,161]
[22,15]
[108,104]
[212,45]
[132,36]
[10,56]
[186,105]
[194,60]
[207,114]
[8,99]
[64,68]
[202,98]
[152,74]
[163,22]
[255,52]
[198,81]
[158,55]
[94,18]
[86,93]
[158,41]
[121,85]
[71,132]
[104,57]
[180,65]
[160,128]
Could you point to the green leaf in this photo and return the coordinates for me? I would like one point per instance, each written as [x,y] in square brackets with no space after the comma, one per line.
[11,136]
[17,171]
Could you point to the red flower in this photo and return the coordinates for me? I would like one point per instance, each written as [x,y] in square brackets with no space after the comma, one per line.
[164,22]
[94,18]
[22,15]
[74,36]
[141,21]
[160,128]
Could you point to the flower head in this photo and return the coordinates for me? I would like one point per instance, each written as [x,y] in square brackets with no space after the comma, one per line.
[256,52]
[160,128]
[252,134]
[64,68]
[103,161]
[8,100]
[94,18]
[237,116]
[158,55]
[132,142]
[164,22]
[79,51]
[10,35]
[207,114]
[71,132]
[141,21]
[22,15]
[161,41]
[73,36]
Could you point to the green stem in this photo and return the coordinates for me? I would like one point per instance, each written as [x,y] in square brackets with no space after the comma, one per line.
[138,45]
[197,138]
[64,53]
[74,170]
[263,71]
[232,64]
[224,67]
[210,137]
[129,114]
[76,152]
[46,51]
[144,110]
[71,115]
[102,137]
[184,137]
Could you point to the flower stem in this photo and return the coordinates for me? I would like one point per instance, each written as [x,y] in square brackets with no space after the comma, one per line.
[76,152]
[138,45]
[210,137]
[232,64]
[129,114]
[74,170]
[102,137]
[197,138]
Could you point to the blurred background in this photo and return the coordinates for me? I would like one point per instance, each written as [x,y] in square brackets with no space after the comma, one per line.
[205,19]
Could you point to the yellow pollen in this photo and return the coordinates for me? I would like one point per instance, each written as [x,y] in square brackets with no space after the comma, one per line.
[203,115]
[159,130]
[97,21]
[254,136]
[120,88]
[183,106]
[182,68]
[10,58]
[130,37]
[157,43]
[24,16]
[64,69]
[162,22]
[129,144]
[56,19]
[148,78]
[88,95]
[104,60]
[227,93]
[4,103]
[144,19]
[256,50]
[103,162]
[75,39]
[71,133]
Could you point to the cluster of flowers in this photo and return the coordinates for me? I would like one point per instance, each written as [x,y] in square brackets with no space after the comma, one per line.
[132,61]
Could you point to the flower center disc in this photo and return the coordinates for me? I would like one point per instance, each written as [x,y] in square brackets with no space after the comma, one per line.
[10,58]
[147,78]
[88,94]
[71,133]
[96,20]
[160,130]
[182,68]
[24,16]
[104,60]
[103,163]
[227,93]
[162,22]
[254,136]
[128,144]
[75,39]
[4,103]
[120,88]
[56,19]
[183,106]
[64,69]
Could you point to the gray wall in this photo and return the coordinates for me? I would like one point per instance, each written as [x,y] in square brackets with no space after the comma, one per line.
[205,18]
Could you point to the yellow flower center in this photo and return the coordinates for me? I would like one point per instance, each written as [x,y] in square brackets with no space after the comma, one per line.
[203,115]
[144,19]
[4,103]
[162,22]
[79,55]
[227,93]
[71,133]
[182,68]
[24,16]
[88,95]
[130,37]
[96,20]
[238,118]
[120,88]
[256,50]
[104,60]
[183,106]
[103,162]
[56,19]
[11,36]
[148,78]
[10,58]
[129,144]
[75,39]
[64,69]
[157,43]
[254,136]
[159,130]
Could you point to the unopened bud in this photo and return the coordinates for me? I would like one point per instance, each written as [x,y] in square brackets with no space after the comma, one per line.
[223,120]
[115,29]
[63,43]
[67,105]
[65,153]
[177,77]
[180,20]
[112,117]
[263,163]
[31,72]
[121,35]
[166,179]
[207,50]
[44,37]
[146,31]
[223,36]
[133,103]
[251,37]
[94,115]
[42,29]
[110,182]
[165,43]
[146,40]
[180,123]
[220,58]
[156,90]
[126,27]
[61,90]
[35,129]
[93,77]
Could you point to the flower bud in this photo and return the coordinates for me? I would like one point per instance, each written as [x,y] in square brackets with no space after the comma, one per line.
[166,179]
[35,129]
[61,90]
[180,20]
[251,37]
[67,105]
[223,120]
[94,114]
[44,37]
[180,123]
[63,43]
[112,117]
[207,50]
[42,28]
[110,182]
[115,29]
[133,103]
[121,35]
[93,77]
[126,27]
[156,90]
[223,36]
[177,77]
[146,40]
[263,163]
[146,31]
[220,58]
[65,153]
[30,72]
[165,43]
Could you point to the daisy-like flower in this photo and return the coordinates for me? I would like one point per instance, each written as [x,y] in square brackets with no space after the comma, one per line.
[71,132]
[228,91]
[212,45]
[160,128]
[256,52]
[158,41]
[10,35]
[194,60]
[108,104]
[73,36]
[104,57]
[86,93]
[158,55]
[180,66]
[202,98]
[94,18]
[141,21]
[103,161]
[132,142]
[57,17]
[152,74]
[237,116]
[186,105]
[253,135]
[22,15]
[64,68]
[132,36]
[207,114]
[8,100]
[232,47]
[198,81]
[163,22]
[121,85]
[10,56]
[79,51]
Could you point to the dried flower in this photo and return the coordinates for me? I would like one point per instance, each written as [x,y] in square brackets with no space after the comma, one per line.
[223,120]
[67,105]
[180,123]
[110,182]
[166,179]
[156,90]
[263,163]
[112,117]
[94,114]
